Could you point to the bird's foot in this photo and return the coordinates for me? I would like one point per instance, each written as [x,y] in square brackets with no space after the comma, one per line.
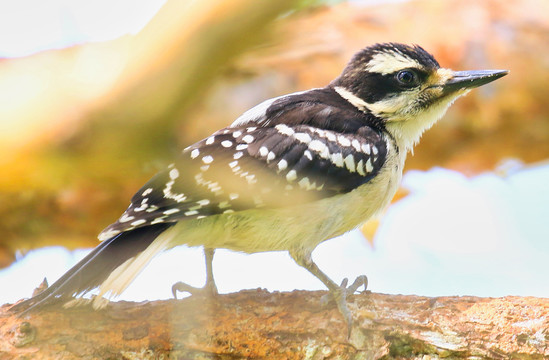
[339,295]
[345,290]
[209,290]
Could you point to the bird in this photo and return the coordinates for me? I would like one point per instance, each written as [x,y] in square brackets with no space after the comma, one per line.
[288,174]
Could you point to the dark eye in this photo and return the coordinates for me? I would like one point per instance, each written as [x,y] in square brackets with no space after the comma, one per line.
[407,77]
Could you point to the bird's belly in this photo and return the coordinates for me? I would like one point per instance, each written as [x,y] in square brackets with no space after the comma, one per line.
[303,226]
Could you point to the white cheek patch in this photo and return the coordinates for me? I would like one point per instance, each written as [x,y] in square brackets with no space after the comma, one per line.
[390,108]
[389,62]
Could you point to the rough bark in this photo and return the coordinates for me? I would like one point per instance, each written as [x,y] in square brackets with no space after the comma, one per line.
[257,324]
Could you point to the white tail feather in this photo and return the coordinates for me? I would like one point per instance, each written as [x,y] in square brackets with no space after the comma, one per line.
[124,274]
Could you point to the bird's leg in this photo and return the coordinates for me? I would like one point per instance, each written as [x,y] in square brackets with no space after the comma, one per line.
[337,292]
[210,289]
[210,282]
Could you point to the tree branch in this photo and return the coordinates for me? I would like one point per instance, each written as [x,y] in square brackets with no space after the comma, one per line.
[261,325]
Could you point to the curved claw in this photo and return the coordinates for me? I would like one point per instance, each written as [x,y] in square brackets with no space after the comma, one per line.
[182,287]
[207,290]
[362,280]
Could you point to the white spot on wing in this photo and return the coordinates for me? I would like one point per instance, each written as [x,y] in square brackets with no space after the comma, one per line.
[282,165]
[350,163]
[330,136]
[152,208]
[168,194]
[284,129]
[337,159]
[141,208]
[207,159]
[248,138]
[306,184]
[226,143]
[291,175]
[195,153]
[369,166]
[343,140]
[303,137]
[105,235]
[319,147]
[171,211]
[360,168]
[174,174]
[138,222]
[158,220]
[356,144]
[125,218]
[147,192]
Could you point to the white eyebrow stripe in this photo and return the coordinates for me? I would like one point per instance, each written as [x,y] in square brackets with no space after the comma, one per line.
[389,62]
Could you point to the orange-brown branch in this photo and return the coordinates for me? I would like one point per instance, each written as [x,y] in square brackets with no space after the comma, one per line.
[260,325]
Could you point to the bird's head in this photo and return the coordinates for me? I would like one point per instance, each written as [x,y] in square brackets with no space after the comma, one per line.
[405,87]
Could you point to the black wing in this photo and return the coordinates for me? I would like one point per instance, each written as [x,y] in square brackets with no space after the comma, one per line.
[273,165]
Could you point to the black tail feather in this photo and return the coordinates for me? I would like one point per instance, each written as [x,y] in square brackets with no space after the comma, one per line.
[95,268]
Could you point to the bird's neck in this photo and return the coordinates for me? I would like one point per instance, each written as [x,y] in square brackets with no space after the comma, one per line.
[408,131]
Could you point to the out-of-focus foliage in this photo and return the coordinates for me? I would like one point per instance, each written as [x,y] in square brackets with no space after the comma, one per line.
[83,128]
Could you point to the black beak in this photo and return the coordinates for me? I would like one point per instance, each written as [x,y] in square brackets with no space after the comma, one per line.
[471,79]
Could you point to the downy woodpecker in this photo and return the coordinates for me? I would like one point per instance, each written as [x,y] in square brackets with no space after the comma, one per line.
[286,175]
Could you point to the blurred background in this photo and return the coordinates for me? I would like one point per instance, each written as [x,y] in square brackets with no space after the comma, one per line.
[95,97]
